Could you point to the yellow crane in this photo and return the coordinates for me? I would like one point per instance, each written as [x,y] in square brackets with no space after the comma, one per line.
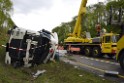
[105,44]
[76,35]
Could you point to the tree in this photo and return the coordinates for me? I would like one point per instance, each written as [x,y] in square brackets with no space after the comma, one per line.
[5,11]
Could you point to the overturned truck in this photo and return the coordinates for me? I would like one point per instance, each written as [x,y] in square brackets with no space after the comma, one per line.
[29,48]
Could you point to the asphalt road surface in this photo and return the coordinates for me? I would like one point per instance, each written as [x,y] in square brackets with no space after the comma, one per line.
[104,67]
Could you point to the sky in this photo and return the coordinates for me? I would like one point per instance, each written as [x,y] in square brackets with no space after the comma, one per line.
[45,14]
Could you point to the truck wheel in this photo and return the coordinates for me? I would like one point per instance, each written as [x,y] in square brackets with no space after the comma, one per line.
[87,51]
[121,60]
[96,52]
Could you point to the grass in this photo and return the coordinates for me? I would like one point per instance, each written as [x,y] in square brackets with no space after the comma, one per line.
[58,72]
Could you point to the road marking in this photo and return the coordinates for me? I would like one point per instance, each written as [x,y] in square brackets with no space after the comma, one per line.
[91,59]
[101,60]
[82,57]
[86,58]
[91,67]
[120,76]
[98,69]
[98,60]
[101,70]
[107,61]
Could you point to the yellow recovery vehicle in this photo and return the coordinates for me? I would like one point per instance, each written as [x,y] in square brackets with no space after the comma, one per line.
[120,23]
[105,44]
[120,43]
[120,49]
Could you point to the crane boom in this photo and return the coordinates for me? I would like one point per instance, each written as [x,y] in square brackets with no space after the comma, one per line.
[82,10]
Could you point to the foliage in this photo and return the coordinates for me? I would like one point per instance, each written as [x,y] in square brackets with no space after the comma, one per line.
[115,4]
[5,22]
[5,10]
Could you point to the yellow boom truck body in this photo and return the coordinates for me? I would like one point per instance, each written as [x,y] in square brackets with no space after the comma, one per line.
[118,22]
[120,48]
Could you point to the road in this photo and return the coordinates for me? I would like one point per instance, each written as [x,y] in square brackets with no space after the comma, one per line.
[98,66]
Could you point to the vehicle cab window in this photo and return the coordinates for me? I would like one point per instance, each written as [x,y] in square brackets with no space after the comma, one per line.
[107,39]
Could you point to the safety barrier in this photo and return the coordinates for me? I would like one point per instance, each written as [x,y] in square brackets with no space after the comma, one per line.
[20,49]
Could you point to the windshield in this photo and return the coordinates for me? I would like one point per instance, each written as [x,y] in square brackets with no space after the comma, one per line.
[115,38]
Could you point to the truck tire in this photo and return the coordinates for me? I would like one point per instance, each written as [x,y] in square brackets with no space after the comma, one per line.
[87,51]
[121,60]
[96,52]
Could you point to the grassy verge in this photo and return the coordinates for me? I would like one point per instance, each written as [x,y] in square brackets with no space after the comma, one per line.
[55,73]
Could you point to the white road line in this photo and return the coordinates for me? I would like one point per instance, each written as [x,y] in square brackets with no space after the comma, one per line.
[104,61]
[92,59]
[86,58]
[107,61]
[97,60]
[82,57]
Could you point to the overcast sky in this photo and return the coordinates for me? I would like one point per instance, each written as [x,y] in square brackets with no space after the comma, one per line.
[45,14]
